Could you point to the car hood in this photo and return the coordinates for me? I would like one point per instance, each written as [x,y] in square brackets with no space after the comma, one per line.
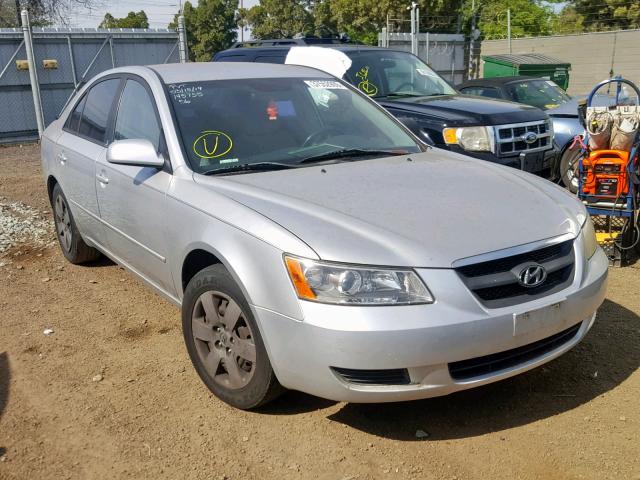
[459,110]
[428,212]
[567,109]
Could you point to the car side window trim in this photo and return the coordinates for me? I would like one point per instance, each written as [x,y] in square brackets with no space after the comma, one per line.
[109,118]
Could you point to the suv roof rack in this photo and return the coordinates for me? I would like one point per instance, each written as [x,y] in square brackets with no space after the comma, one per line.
[297,40]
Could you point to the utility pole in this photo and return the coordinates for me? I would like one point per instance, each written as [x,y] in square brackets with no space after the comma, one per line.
[33,72]
[241,23]
[182,40]
[509,28]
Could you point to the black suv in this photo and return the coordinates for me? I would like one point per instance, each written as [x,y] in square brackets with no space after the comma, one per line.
[499,131]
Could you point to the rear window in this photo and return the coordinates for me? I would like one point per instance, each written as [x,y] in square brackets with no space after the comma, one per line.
[228,123]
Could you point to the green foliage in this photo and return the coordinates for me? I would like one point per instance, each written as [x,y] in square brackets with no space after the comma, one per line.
[211,27]
[528,18]
[279,18]
[594,15]
[132,20]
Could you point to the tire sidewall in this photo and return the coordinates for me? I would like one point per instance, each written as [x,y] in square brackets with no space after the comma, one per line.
[565,161]
[73,254]
[217,278]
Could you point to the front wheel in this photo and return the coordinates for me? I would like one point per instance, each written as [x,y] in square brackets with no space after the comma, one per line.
[224,342]
[569,169]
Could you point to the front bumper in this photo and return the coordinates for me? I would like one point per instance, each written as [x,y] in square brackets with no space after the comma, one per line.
[534,162]
[424,339]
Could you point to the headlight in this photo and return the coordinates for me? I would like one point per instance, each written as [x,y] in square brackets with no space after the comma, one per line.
[355,285]
[473,139]
[589,242]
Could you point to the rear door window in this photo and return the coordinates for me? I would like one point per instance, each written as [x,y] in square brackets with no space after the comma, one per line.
[74,119]
[95,116]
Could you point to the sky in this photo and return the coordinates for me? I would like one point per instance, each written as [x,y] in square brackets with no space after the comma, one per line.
[159,12]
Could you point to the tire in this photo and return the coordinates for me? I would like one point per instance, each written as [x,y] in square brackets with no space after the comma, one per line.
[224,342]
[569,169]
[71,243]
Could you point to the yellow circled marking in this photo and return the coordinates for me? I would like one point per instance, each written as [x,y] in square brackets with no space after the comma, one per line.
[222,144]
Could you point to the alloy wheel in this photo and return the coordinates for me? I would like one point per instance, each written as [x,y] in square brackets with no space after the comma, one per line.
[63,223]
[223,340]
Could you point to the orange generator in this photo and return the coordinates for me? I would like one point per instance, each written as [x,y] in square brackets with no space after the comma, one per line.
[604,174]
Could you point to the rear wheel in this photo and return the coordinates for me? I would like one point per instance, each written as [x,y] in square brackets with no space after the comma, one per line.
[224,342]
[71,243]
[569,165]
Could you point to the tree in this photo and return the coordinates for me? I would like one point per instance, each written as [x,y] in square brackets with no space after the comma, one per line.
[528,18]
[607,14]
[279,18]
[132,20]
[210,27]
[41,12]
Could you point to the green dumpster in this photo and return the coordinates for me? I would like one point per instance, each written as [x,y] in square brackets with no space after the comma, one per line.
[529,64]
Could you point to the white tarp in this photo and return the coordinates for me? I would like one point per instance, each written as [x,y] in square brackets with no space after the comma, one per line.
[326,59]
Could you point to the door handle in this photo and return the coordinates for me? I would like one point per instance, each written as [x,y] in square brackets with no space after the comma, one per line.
[102,179]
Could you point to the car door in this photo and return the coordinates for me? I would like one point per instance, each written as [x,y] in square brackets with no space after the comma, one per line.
[131,198]
[82,142]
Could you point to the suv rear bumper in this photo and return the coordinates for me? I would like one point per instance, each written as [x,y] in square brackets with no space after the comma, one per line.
[421,340]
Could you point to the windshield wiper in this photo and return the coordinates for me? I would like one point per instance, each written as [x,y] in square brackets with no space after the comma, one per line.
[247,167]
[407,94]
[351,153]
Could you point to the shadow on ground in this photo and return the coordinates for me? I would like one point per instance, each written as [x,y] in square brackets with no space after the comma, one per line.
[5,377]
[610,349]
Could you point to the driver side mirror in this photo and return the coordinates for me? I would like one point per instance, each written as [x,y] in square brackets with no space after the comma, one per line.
[136,152]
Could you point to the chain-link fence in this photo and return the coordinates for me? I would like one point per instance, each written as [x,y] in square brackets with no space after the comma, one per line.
[65,58]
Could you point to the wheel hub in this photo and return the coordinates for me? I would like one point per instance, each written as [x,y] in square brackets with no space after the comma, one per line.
[223,340]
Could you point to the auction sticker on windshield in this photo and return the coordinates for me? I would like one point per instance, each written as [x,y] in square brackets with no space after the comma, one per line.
[325,84]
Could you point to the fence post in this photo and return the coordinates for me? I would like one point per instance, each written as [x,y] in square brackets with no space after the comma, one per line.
[33,73]
[182,39]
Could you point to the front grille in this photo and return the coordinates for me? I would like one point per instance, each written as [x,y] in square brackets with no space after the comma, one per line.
[396,376]
[495,282]
[476,367]
[511,138]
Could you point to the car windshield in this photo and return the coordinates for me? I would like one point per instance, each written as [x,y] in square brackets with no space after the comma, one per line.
[234,124]
[380,73]
[543,94]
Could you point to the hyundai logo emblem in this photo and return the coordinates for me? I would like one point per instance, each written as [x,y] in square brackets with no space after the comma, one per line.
[529,137]
[532,275]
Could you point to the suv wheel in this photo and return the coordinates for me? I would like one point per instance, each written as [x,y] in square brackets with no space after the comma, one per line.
[224,342]
[71,243]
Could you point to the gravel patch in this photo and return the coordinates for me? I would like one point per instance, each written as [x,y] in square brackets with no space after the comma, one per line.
[22,224]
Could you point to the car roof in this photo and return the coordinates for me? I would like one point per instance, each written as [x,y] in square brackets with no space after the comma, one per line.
[497,81]
[284,48]
[203,71]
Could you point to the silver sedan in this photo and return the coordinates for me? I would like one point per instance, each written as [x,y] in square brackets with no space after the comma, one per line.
[312,242]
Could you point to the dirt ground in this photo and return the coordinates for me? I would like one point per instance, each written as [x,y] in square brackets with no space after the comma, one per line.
[151,417]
